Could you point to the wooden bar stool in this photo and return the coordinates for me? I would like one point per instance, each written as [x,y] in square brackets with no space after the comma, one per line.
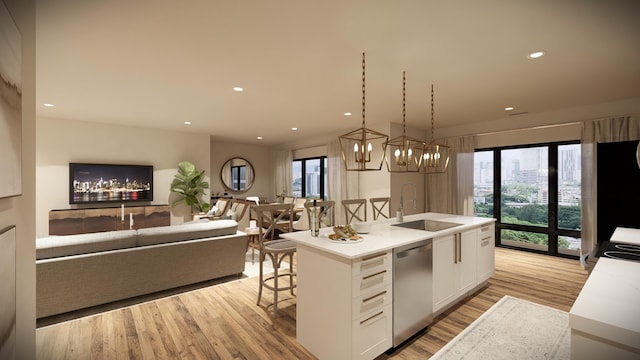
[352,209]
[271,218]
[377,205]
[253,238]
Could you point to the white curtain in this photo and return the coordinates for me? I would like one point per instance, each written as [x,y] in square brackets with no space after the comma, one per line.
[283,172]
[623,128]
[342,184]
[452,191]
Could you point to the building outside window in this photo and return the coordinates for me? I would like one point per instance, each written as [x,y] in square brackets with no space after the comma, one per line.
[309,178]
[534,193]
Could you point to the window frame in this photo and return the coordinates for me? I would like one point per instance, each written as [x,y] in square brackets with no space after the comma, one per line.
[303,169]
[551,230]
[236,171]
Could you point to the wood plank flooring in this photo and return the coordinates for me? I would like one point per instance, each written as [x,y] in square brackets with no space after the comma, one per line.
[223,321]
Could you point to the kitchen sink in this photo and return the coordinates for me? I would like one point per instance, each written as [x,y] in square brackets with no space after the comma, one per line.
[427,225]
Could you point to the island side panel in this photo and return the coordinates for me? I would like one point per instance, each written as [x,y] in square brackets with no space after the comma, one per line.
[323,303]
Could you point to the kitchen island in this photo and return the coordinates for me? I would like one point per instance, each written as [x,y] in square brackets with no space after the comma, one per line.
[345,288]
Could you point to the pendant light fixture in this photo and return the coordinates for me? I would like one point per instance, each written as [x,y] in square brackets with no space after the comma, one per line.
[435,157]
[363,149]
[403,153]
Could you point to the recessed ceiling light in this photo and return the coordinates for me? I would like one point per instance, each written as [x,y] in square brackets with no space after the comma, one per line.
[259,138]
[294,128]
[535,55]
[49,105]
[509,108]
[238,89]
[187,122]
[347,114]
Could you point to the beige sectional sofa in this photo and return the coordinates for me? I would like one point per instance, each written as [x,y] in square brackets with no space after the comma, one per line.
[80,271]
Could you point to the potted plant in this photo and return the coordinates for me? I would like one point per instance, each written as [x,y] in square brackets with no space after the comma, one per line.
[189,184]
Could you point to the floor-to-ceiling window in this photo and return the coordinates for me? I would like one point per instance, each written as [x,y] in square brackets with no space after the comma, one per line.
[309,177]
[534,193]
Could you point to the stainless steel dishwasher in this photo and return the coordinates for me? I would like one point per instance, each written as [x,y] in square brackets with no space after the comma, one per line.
[412,289]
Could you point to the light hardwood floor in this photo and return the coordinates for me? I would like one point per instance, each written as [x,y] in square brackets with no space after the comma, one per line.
[223,322]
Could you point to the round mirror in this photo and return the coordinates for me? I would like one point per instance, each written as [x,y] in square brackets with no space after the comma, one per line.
[237,174]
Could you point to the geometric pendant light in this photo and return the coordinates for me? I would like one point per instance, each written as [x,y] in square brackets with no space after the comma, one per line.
[363,149]
[403,153]
[435,157]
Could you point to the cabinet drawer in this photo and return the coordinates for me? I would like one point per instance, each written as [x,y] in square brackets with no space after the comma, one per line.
[371,280]
[371,262]
[372,334]
[373,300]
[487,232]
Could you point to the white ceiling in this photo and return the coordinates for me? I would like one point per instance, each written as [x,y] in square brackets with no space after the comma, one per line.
[160,63]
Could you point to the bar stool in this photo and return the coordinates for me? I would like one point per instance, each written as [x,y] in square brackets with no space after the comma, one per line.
[271,218]
[377,205]
[352,208]
[253,238]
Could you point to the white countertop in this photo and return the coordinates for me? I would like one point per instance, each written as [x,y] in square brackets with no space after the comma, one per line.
[626,236]
[608,305]
[383,236]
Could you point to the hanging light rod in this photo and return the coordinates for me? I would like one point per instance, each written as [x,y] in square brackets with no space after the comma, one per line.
[403,153]
[363,149]
[435,157]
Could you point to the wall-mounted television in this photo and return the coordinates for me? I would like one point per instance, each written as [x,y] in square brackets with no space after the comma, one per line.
[99,183]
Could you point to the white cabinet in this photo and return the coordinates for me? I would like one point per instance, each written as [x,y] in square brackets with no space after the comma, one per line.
[344,307]
[486,252]
[454,267]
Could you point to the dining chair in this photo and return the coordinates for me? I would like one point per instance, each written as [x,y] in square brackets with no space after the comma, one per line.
[303,219]
[378,207]
[299,201]
[327,212]
[352,209]
[288,199]
[270,223]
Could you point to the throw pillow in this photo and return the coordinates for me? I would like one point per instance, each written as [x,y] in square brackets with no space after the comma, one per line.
[212,211]
[220,205]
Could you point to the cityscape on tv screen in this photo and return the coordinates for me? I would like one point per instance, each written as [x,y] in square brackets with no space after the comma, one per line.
[105,183]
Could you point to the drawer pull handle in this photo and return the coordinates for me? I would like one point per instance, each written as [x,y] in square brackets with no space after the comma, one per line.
[372,275]
[373,257]
[371,317]
[484,243]
[373,297]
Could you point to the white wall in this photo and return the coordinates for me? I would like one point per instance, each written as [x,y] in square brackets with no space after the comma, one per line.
[60,142]
[260,157]
[19,210]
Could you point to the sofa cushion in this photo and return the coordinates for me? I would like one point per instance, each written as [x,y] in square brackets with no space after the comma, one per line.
[65,245]
[197,230]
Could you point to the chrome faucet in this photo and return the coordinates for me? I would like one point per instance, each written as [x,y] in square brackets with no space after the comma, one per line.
[402,196]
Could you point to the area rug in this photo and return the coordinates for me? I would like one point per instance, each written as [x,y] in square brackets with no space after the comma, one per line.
[513,329]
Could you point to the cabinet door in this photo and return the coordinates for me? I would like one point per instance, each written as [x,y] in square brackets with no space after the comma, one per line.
[467,260]
[445,271]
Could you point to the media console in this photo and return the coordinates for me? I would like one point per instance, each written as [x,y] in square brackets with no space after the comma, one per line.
[81,221]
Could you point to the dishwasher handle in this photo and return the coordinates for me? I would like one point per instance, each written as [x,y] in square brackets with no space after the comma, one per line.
[414,250]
